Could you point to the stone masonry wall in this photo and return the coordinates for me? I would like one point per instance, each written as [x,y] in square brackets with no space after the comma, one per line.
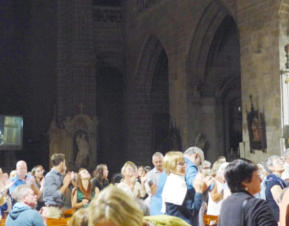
[186,29]
[260,70]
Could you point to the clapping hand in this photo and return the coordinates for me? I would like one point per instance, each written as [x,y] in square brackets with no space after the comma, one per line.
[200,183]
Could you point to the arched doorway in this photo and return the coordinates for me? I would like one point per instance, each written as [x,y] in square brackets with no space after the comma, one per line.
[159,105]
[110,113]
[221,85]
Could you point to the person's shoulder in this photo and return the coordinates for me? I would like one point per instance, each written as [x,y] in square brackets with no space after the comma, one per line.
[253,202]
[15,178]
[150,173]
[258,205]
[96,182]
[272,180]
[35,217]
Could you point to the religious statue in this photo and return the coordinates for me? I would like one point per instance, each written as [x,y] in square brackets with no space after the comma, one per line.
[81,148]
[76,137]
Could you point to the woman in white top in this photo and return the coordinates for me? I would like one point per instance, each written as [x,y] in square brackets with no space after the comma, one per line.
[129,183]
[216,196]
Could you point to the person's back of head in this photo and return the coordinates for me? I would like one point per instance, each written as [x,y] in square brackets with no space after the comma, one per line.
[79,218]
[194,151]
[116,178]
[274,163]
[221,171]
[113,206]
[216,166]
[20,192]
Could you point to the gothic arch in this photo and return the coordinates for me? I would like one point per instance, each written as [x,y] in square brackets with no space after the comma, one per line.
[202,37]
[148,59]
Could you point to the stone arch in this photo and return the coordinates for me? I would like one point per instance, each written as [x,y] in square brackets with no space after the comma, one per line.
[148,58]
[202,37]
[148,106]
[220,91]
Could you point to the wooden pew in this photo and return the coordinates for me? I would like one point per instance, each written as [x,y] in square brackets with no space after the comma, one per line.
[57,222]
[49,222]
[68,212]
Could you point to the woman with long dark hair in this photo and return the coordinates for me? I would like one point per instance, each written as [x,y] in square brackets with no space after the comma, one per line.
[100,181]
[37,172]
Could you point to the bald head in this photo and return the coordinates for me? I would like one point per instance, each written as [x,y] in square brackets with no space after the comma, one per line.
[21,168]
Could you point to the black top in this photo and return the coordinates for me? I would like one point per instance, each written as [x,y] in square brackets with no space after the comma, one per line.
[257,211]
[100,184]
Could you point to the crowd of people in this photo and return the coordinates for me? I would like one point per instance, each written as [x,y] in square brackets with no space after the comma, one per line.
[180,189]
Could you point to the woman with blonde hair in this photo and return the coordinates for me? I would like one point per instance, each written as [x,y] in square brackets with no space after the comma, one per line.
[129,183]
[178,199]
[114,207]
[83,192]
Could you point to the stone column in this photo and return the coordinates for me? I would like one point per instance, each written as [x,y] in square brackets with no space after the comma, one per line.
[258,25]
[75,59]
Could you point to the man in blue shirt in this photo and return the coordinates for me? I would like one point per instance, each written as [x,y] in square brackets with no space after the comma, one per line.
[22,177]
[56,182]
[194,157]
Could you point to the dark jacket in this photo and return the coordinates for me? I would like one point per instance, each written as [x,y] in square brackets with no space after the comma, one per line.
[189,210]
[270,181]
[23,215]
[257,211]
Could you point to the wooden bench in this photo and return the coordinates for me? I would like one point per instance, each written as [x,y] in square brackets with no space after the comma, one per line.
[68,212]
[49,222]
[57,222]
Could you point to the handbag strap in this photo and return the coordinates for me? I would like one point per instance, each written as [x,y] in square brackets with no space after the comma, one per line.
[243,208]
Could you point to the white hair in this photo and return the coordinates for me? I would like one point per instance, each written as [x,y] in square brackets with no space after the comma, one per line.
[270,161]
[20,192]
[195,150]
[221,171]
[206,163]
[157,154]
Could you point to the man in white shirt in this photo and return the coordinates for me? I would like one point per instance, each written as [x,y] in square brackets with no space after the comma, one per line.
[153,176]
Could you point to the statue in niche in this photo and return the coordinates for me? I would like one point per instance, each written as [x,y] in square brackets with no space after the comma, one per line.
[76,137]
[81,148]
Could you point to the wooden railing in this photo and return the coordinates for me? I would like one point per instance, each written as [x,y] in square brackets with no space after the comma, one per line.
[49,222]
